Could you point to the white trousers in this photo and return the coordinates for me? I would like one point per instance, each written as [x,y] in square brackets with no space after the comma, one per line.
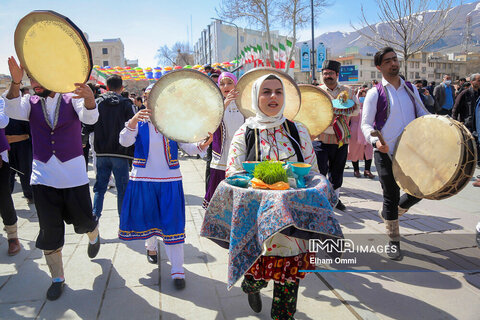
[174,253]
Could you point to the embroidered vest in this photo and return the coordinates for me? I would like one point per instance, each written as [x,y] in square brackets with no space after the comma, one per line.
[63,137]
[3,141]
[253,142]
[142,146]
[383,105]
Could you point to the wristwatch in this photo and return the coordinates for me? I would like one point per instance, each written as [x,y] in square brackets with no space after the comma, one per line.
[374,143]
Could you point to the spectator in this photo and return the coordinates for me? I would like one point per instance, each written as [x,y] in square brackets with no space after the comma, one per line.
[114,110]
[427,99]
[444,95]
[139,104]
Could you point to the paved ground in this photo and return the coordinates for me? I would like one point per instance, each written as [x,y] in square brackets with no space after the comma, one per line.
[120,284]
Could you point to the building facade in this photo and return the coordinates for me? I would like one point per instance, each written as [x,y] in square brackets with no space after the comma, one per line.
[108,52]
[218,43]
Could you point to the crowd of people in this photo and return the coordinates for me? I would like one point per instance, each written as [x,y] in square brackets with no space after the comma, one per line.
[45,136]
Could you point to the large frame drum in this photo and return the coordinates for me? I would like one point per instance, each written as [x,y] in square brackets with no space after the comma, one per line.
[434,158]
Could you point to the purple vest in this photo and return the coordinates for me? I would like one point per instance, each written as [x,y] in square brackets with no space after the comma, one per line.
[382,106]
[3,141]
[62,138]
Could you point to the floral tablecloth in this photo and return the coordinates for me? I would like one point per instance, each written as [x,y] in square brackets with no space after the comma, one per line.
[242,219]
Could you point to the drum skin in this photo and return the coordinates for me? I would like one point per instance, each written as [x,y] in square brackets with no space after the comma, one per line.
[316,110]
[434,157]
[186,105]
[245,83]
[53,51]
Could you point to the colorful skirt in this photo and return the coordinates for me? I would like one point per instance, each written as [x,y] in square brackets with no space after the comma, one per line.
[281,269]
[216,176]
[153,209]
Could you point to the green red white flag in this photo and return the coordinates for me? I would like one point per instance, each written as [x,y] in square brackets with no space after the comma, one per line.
[282,55]
[276,57]
[289,50]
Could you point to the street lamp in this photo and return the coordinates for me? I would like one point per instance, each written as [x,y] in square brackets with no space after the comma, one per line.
[236,27]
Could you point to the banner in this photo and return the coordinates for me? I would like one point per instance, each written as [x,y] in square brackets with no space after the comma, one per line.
[321,55]
[305,57]
[348,73]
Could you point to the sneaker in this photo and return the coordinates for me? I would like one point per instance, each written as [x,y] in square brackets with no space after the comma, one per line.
[13,246]
[476,183]
[255,302]
[477,238]
[179,283]
[394,251]
[340,206]
[94,248]
[55,290]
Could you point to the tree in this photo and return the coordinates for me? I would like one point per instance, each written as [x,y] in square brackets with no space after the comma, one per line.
[409,25]
[179,54]
[296,15]
[292,14]
[255,12]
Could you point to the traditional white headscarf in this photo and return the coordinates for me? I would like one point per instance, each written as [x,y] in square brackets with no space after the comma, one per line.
[261,120]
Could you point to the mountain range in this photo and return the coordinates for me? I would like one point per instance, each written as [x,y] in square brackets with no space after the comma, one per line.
[337,42]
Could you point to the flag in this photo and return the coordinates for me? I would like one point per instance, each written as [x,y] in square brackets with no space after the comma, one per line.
[255,56]
[275,57]
[267,53]
[282,54]
[289,50]
[260,55]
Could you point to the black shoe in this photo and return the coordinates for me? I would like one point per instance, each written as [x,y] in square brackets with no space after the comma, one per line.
[152,258]
[340,206]
[55,290]
[394,251]
[478,239]
[179,283]
[93,248]
[255,302]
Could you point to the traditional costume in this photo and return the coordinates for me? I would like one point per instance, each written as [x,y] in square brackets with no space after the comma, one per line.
[59,179]
[274,138]
[331,147]
[390,110]
[222,138]
[359,148]
[154,203]
[7,209]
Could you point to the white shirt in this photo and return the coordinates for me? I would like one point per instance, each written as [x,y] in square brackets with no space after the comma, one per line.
[402,112]
[54,173]
[156,169]
[232,119]
[3,123]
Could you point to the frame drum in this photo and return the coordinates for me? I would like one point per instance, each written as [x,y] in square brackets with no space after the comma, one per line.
[434,158]
[316,110]
[244,86]
[186,105]
[53,51]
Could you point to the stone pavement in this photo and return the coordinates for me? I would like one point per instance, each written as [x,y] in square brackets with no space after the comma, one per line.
[120,284]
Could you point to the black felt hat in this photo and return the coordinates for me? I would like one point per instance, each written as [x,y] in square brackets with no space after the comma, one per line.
[331,65]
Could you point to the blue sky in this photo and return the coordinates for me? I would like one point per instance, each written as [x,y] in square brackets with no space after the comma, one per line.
[146,25]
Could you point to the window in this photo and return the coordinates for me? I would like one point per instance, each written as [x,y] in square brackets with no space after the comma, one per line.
[412,64]
[424,69]
[412,75]
[417,65]
[105,63]
[379,75]
[361,73]
[417,75]
[372,63]
[373,74]
[105,50]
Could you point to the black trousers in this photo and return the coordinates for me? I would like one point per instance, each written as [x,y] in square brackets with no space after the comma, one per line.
[331,160]
[56,206]
[21,158]
[391,191]
[7,210]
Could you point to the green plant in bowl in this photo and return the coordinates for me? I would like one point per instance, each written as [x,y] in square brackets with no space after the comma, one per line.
[270,172]
[249,166]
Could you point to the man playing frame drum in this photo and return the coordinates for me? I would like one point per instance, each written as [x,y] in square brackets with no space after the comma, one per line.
[389,107]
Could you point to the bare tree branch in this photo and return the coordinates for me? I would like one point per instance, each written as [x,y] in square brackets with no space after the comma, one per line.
[407,25]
